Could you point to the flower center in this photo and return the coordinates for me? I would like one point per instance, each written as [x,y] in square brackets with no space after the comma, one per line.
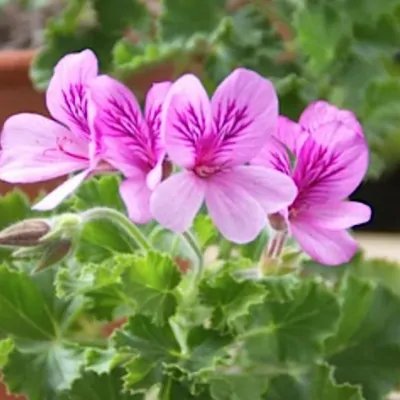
[293,212]
[204,171]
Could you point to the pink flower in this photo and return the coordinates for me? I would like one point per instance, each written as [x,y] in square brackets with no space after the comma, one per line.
[330,160]
[35,148]
[213,141]
[131,141]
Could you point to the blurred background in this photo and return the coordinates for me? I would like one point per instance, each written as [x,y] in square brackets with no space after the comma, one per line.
[344,51]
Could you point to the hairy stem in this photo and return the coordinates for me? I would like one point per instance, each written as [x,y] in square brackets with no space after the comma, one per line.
[121,221]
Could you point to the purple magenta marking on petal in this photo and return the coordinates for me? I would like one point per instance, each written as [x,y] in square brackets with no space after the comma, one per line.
[191,124]
[230,120]
[153,120]
[61,145]
[319,164]
[75,105]
[125,119]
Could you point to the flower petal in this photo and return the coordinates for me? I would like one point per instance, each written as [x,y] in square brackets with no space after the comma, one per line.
[35,148]
[245,112]
[186,120]
[115,115]
[176,201]
[65,96]
[334,216]
[57,196]
[273,190]
[328,173]
[321,112]
[136,196]
[324,246]
[288,138]
[153,106]
[238,216]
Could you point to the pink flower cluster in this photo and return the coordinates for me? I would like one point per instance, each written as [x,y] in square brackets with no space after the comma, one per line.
[232,152]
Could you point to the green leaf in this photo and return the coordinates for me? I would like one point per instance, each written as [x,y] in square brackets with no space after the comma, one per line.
[114,17]
[149,281]
[204,230]
[14,207]
[206,347]
[98,191]
[319,32]
[142,374]
[317,384]
[92,386]
[94,24]
[37,322]
[24,311]
[181,19]
[382,271]
[100,284]
[230,298]
[289,328]
[369,354]
[6,347]
[40,370]
[243,386]
[101,361]
[141,337]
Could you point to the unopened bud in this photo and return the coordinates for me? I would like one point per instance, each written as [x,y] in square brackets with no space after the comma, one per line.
[25,233]
[53,253]
[167,169]
[278,222]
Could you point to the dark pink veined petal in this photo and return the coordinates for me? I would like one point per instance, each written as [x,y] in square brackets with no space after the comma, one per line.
[176,201]
[66,95]
[330,173]
[237,215]
[337,215]
[115,116]
[320,113]
[245,112]
[58,195]
[324,246]
[136,196]
[288,138]
[273,190]
[35,148]
[153,106]
[186,121]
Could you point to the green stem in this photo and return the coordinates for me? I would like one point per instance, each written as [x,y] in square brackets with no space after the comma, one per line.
[118,219]
[192,243]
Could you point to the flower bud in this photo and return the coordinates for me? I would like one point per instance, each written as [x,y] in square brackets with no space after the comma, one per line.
[278,222]
[25,233]
[53,253]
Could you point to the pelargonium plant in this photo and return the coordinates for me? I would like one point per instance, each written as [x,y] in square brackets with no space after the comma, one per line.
[201,251]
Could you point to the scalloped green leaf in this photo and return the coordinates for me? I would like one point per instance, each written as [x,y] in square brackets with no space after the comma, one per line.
[368,354]
[181,19]
[143,338]
[289,328]
[92,386]
[317,384]
[37,322]
[230,298]
[149,280]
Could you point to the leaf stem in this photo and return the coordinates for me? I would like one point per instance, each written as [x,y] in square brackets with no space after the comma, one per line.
[192,243]
[121,221]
